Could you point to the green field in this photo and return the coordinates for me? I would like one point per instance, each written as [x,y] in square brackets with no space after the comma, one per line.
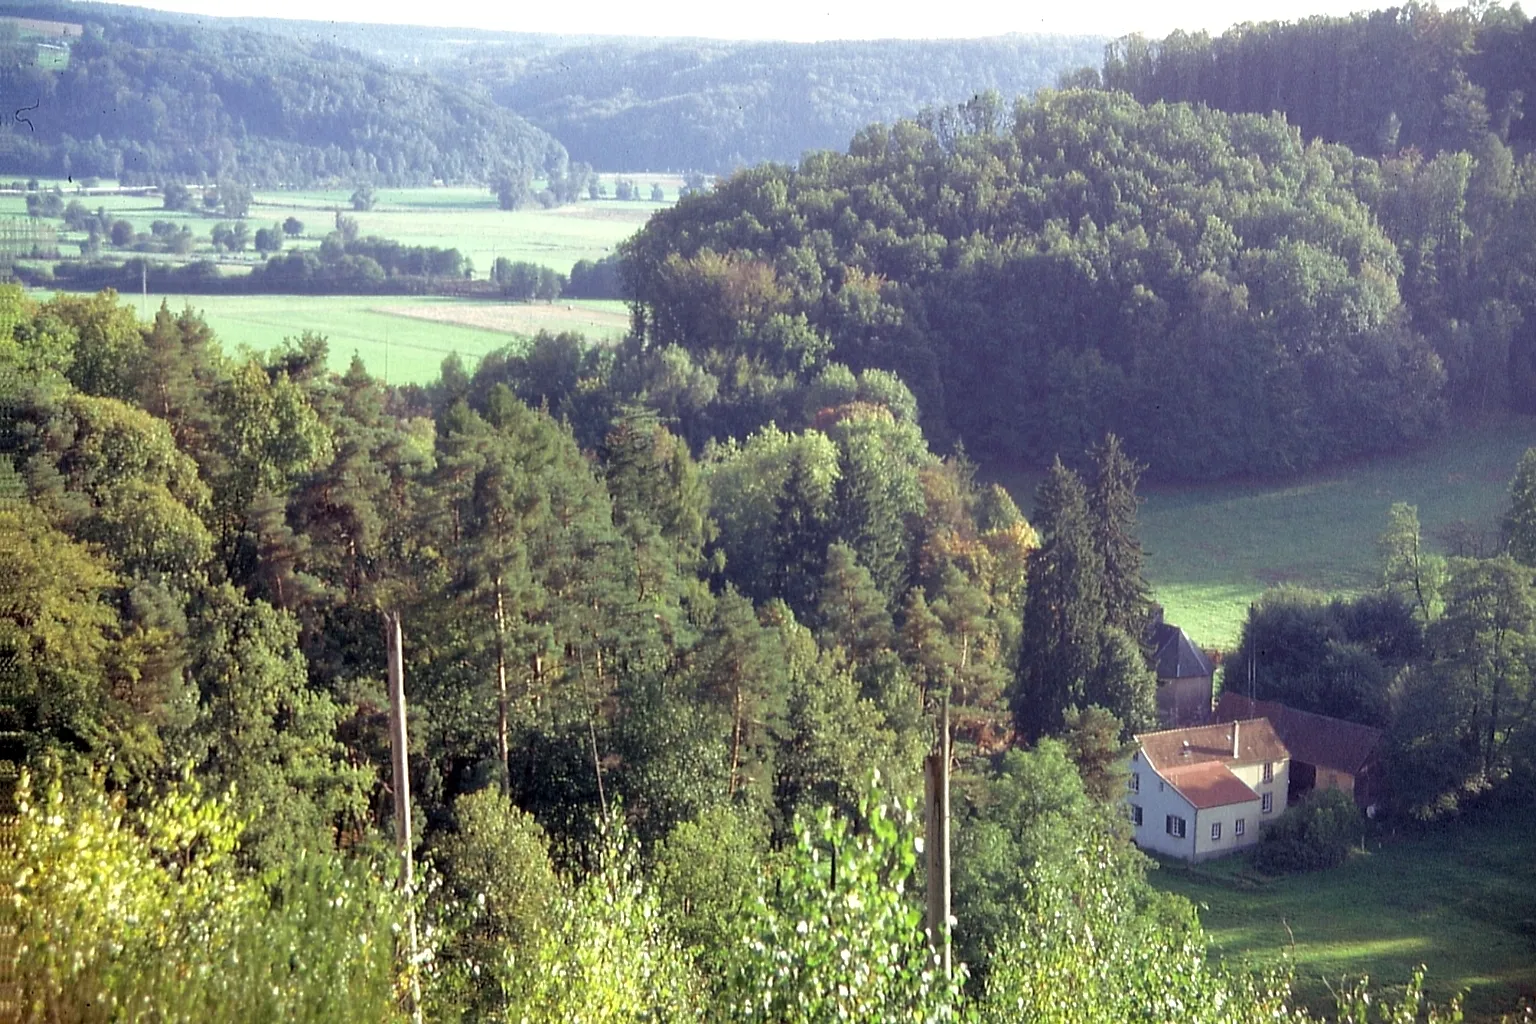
[1460,899]
[400,348]
[466,219]
[1213,548]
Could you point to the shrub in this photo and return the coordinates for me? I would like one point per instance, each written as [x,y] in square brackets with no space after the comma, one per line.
[1316,833]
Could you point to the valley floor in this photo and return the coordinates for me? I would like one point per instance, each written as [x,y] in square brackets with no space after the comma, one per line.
[1459,898]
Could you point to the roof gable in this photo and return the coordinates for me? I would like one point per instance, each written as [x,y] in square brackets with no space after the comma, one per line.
[1318,740]
[1210,784]
[1173,748]
[1177,656]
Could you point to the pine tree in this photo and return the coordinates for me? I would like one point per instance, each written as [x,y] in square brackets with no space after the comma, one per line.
[802,529]
[742,672]
[851,609]
[926,647]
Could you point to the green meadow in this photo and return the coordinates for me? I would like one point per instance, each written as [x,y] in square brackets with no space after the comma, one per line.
[466,219]
[398,347]
[1460,899]
[1213,548]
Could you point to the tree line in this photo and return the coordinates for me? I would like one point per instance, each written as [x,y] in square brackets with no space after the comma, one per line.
[1442,658]
[1411,76]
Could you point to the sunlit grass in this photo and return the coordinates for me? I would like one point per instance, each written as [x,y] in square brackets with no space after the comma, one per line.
[1461,899]
[1212,549]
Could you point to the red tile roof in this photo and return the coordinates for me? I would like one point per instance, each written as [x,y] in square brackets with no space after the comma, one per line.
[1318,740]
[1173,748]
[1209,784]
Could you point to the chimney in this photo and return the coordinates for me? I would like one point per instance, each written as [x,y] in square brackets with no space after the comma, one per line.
[1236,750]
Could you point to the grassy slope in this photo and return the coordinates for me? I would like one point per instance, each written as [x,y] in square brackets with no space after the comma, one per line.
[1212,549]
[1461,900]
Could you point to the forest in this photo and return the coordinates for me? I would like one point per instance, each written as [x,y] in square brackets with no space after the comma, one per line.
[680,613]
[717,106]
[150,100]
[1227,297]
[664,706]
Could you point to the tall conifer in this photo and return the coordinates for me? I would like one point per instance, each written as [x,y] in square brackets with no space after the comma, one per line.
[1064,612]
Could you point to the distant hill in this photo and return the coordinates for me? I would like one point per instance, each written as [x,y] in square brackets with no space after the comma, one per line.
[145,96]
[711,106]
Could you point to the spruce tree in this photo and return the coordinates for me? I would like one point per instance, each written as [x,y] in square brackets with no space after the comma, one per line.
[1520,520]
[1113,502]
[1064,613]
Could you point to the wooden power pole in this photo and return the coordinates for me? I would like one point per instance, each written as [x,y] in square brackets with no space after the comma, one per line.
[936,844]
[402,785]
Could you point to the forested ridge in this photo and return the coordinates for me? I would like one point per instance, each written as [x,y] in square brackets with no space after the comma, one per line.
[146,99]
[1378,81]
[716,106]
[1227,297]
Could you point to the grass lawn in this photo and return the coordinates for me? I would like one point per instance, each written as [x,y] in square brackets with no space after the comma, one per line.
[1213,548]
[1460,899]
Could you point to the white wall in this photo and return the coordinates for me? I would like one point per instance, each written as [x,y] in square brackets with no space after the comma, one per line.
[1279,787]
[1158,799]
[1227,817]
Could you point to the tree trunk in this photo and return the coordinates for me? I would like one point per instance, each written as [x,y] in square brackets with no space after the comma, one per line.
[503,742]
[735,740]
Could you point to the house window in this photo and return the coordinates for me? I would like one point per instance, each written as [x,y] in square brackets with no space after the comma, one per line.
[1269,771]
[1215,831]
[1269,802]
[1136,815]
[1135,782]
[1239,827]
[1175,826]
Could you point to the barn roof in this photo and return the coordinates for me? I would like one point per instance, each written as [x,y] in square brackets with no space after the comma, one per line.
[1174,748]
[1318,740]
[1210,784]
[1177,655]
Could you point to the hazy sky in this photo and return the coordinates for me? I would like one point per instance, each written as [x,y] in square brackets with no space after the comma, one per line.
[790,19]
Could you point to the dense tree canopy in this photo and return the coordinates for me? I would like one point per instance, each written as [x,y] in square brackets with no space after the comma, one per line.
[715,106]
[145,99]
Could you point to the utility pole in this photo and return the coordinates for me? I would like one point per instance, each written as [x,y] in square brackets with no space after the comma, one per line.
[402,786]
[936,844]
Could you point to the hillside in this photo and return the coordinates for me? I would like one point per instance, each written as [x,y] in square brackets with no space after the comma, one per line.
[146,97]
[1377,81]
[713,106]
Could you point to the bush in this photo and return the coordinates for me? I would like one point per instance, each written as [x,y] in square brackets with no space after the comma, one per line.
[1316,833]
[148,916]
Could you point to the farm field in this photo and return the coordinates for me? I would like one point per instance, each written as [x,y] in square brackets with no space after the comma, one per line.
[403,339]
[1460,899]
[1213,548]
[466,219]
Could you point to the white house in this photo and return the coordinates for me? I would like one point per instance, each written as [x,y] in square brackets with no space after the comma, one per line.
[1207,790]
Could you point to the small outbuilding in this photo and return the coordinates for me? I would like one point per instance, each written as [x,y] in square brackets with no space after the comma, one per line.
[1184,678]
[1326,753]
